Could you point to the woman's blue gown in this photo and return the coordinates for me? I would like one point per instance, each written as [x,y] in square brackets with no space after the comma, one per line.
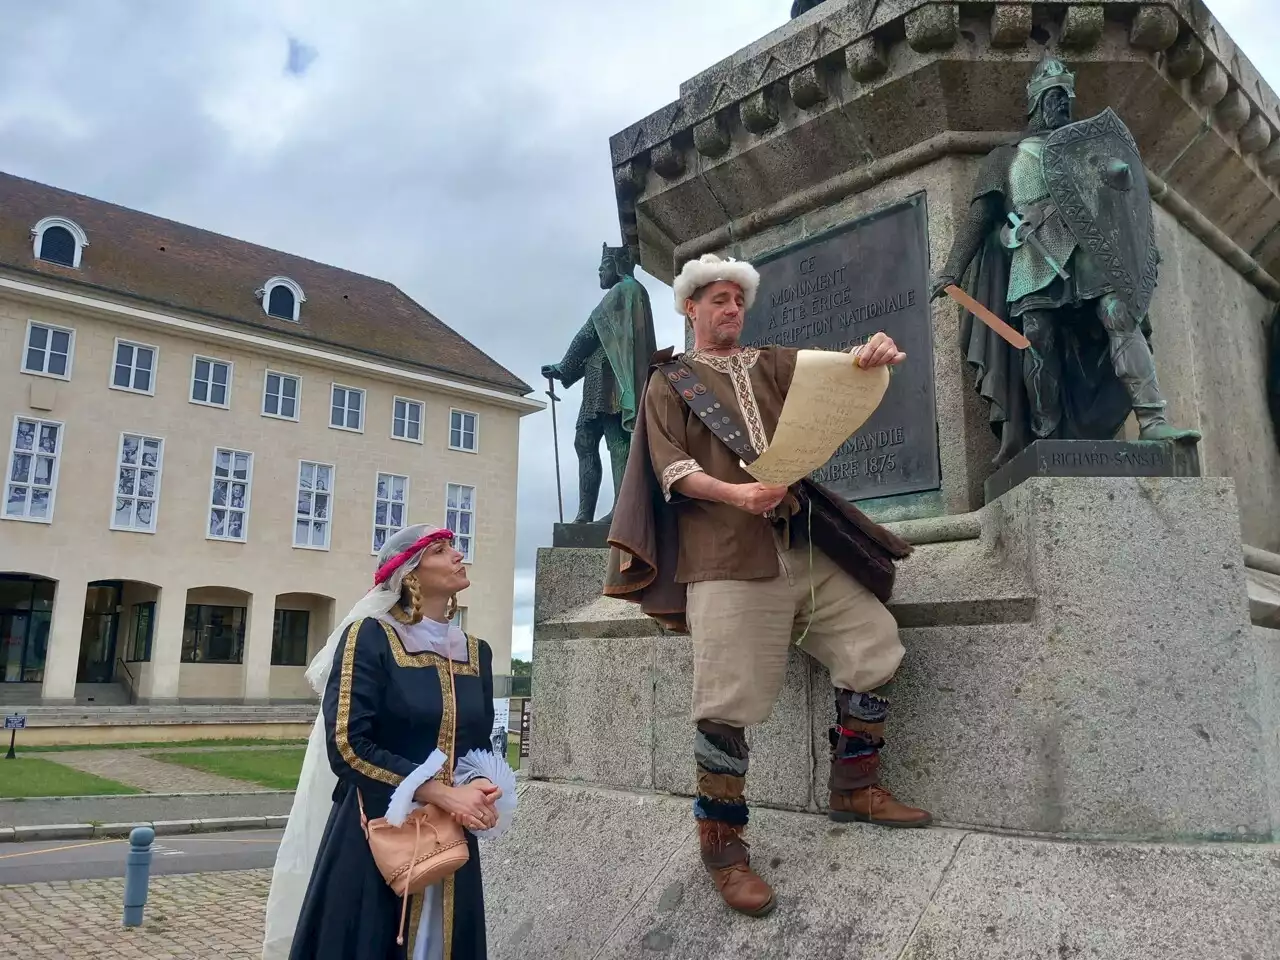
[384,713]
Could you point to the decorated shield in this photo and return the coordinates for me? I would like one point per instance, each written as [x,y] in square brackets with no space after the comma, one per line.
[1096,179]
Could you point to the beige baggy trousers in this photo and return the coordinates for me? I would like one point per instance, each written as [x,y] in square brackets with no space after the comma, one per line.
[743,629]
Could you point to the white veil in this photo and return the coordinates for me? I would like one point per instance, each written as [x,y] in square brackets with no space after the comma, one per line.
[313,799]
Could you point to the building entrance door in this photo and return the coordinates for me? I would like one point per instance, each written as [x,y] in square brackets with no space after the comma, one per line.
[26,606]
[98,636]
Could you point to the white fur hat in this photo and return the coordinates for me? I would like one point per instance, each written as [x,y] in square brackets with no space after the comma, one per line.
[708,269]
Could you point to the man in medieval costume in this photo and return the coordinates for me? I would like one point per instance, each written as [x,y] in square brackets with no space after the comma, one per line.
[748,569]
[610,355]
[1060,242]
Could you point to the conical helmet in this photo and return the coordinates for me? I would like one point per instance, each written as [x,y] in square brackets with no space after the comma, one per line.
[1051,73]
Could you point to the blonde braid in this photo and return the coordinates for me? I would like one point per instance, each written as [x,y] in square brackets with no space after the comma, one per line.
[409,612]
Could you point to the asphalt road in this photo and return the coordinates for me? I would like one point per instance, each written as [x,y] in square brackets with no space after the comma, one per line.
[93,859]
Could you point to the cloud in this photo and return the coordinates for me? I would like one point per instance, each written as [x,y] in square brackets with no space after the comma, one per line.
[458,151]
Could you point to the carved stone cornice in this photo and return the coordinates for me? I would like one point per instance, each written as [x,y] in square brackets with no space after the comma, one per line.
[854,82]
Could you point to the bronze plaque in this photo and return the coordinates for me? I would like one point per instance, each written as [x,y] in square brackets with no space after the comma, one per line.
[834,292]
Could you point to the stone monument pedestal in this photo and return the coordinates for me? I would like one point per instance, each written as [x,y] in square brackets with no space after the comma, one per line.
[1080,662]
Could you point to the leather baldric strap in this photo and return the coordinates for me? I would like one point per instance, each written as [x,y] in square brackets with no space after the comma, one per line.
[718,418]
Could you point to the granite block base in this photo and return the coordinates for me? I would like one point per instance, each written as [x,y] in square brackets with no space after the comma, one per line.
[580,535]
[1096,458]
[1082,666]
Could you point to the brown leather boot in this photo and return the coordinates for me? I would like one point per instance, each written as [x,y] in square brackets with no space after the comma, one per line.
[724,853]
[876,805]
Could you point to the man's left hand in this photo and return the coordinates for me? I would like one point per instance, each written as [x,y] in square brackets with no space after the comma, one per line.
[879,351]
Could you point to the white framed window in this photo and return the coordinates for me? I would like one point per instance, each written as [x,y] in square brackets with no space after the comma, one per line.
[346,408]
[134,368]
[459,619]
[406,419]
[390,507]
[32,478]
[460,517]
[49,350]
[211,382]
[229,495]
[139,463]
[282,298]
[281,395]
[59,240]
[462,431]
[315,505]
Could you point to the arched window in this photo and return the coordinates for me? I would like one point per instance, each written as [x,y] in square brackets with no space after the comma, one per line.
[59,240]
[281,303]
[282,298]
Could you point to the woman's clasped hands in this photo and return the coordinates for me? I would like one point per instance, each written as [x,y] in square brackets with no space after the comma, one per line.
[472,805]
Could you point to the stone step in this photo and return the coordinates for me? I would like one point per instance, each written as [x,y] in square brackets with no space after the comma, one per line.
[590,874]
[48,716]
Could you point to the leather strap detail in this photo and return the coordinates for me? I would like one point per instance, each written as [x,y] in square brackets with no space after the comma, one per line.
[718,417]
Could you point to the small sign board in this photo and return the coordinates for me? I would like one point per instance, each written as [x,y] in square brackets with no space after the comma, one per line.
[501,714]
[526,715]
[15,721]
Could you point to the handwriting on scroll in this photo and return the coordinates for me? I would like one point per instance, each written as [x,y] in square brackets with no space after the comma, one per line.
[830,398]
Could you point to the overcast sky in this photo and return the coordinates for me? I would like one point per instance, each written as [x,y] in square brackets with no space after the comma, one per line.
[457,150]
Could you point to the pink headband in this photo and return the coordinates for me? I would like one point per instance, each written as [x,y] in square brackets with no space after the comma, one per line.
[386,571]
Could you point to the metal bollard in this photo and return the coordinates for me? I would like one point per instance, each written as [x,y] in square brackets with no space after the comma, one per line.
[137,874]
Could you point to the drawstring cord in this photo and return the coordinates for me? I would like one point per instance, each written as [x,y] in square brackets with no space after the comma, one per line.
[404,900]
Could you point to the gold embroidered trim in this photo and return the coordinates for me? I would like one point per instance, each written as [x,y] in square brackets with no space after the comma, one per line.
[341,734]
[447,901]
[429,658]
[746,356]
[678,471]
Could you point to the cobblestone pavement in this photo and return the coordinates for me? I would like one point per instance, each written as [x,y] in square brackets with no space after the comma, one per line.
[136,768]
[198,916]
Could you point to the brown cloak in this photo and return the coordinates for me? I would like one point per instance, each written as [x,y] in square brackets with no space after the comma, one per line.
[644,540]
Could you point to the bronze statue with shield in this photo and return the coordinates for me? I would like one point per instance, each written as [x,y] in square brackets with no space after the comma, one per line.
[1059,242]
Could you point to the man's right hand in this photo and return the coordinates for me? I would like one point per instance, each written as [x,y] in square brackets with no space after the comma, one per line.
[551,371]
[757,498]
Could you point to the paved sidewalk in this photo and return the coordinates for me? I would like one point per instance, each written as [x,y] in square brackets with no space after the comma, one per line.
[200,916]
[136,768]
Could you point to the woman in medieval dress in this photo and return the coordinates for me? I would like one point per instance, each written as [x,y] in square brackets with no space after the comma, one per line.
[381,738]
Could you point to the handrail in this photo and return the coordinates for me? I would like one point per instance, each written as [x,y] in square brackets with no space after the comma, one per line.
[133,683]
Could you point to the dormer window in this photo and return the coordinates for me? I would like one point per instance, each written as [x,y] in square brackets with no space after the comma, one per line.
[282,299]
[59,240]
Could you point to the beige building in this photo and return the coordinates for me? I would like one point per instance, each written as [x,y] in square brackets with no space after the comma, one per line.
[207,441]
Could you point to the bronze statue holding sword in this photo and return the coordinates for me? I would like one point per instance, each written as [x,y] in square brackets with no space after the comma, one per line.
[1059,241]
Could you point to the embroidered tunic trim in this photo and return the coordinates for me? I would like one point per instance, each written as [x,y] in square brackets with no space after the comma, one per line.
[738,368]
[678,471]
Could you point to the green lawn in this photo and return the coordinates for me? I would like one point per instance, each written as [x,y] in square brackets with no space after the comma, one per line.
[33,777]
[277,769]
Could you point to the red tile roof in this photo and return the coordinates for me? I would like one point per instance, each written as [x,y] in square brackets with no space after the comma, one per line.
[169,264]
